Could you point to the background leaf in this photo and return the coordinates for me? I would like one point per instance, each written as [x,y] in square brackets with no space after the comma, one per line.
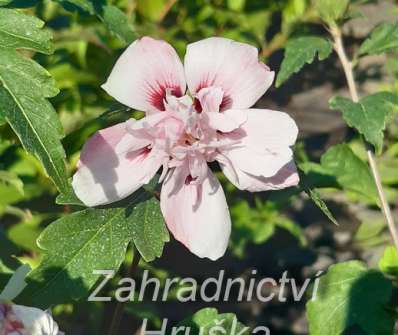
[389,262]
[207,318]
[117,22]
[331,10]
[368,116]
[298,52]
[384,38]
[316,198]
[350,171]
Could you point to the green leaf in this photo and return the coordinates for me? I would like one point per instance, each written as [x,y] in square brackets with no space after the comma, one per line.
[206,320]
[10,179]
[389,262]
[18,30]
[153,10]
[4,2]
[370,230]
[368,116]
[69,198]
[316,198]
[298,52]
[148,229]
[93,239]
[331,10]
[85,5]
[118,23]
[11,189]
[350,171]
[351,295]
[24,234]
[384,38]
[236,5]
[24,87]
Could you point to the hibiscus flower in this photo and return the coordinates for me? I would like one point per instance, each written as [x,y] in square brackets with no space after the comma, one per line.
[196,113]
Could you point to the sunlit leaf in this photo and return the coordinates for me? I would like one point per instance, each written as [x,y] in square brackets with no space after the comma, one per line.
[351,295]
[18,30]
[236,5]
[153,10]
[25,85]
[93,239]
[389,262]
[25,233]
[10,179]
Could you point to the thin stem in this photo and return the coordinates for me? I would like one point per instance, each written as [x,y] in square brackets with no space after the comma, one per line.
[118,313]
[348,70]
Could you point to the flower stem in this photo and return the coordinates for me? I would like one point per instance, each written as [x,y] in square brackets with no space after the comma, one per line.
[118,313]
[348,71]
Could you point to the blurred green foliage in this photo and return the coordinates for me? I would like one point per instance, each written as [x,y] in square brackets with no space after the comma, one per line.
[88,37]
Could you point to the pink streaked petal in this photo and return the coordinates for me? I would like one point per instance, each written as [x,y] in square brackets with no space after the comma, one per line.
[230,65]
[112,167]
[196,214]
[143,74]
[210,99]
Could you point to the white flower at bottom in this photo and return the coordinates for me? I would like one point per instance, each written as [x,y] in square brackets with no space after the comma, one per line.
[22,320]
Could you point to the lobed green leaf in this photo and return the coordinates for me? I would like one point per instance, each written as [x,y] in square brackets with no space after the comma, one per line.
[93,239]
[298,52]
[368,116]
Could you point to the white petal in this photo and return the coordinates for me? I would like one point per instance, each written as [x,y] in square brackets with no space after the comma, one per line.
[287,176]
[35,321]
[143,73]
[109,171]
[264,142]
[230,65]
[197,214]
